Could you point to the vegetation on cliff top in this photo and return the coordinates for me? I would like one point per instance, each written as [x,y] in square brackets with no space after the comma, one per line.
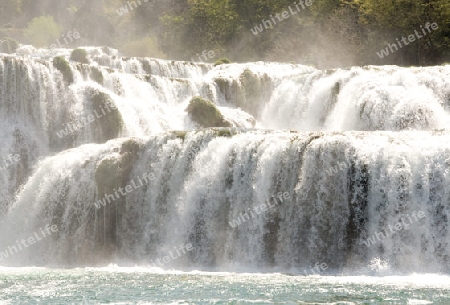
[328,33]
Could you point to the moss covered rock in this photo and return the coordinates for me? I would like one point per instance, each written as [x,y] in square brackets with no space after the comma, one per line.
[335,93]
[79,55]
[205,113]
[222,61]
[251,83]
[248,92]
[256,90]
[112,173]
[107,50]
[8,45]
[222,84]
[336,89]
[225,132]
[63,66]
[180,134]
[108,120]
[232,90]
[96,75]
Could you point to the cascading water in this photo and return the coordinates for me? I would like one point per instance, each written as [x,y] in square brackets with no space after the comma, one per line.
[338,158]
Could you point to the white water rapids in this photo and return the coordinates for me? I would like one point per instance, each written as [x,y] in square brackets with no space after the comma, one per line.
[356,149]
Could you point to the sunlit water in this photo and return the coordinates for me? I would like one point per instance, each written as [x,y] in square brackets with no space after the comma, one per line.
[114,285]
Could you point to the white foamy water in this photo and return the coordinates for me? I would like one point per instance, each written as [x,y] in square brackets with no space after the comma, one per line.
[140,285]
[358,150]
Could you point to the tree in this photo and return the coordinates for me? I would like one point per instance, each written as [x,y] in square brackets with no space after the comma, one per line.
[383,16]
[204,25]
[42,31]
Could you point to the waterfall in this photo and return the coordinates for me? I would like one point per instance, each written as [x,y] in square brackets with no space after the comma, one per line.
[341,167]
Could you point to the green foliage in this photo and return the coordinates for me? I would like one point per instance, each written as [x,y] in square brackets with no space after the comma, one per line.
[79,55]
[63,66]
[143,47]
[205,113]
[222,61]
[174,31]
[42,31]
[357,29]
[328,33]
[382,16]
[206,24]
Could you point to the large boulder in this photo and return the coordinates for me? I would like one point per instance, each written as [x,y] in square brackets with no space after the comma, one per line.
[63,66]
[206,114]
[79,55]
[8,45]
